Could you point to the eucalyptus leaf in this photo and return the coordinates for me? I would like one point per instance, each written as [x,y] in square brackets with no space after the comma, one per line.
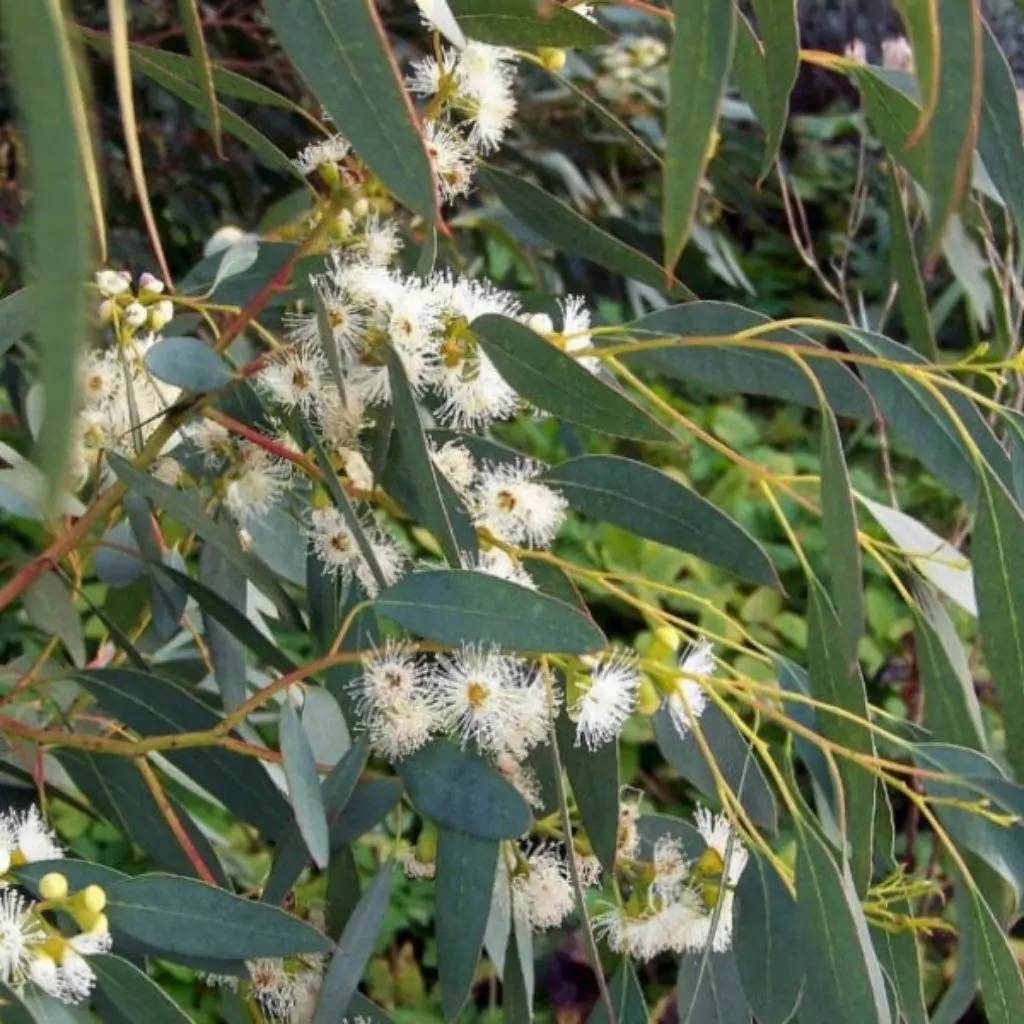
[187,363]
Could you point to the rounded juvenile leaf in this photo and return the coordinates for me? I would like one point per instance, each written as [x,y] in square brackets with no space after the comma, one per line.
[179,915]
[462,792]
[187,363]
[460,606]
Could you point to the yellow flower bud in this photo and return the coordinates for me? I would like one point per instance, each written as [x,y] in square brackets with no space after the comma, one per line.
[53,886]
[5,862]
[92,898]
[426,845]
[648,701]
[665,643]
[100,926]
[553,58]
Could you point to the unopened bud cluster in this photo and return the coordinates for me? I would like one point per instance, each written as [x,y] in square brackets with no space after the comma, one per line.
[46,943]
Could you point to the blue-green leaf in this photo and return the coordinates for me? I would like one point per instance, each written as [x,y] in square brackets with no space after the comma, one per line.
[187,363]
[465,879]
[340,49]
[651,504]
[462,792]
[135,995]
[180,915]
[304,786]
[698,72]
[47,93]
[460,606]
[556,383]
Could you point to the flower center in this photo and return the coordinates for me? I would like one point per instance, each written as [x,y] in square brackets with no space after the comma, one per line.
[476,694]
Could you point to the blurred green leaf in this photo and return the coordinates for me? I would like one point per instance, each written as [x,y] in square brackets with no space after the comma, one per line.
[201,68]
[777,25]
[651,504]
[372,800]
[465,878]
[460,606]
[228,588]
[521,23]
[573,234]
[998,553]
[17,318]
[49,607]
[304,786]
[999,133]
[628,999]
[750,371]
[843,982]
[953,129]
[698,72]
[180,915]
[176,81]
[907,273]
[353,950]
[763,943]
[134,993]
[557,383]
[48,97]
[461,792]
[340,49]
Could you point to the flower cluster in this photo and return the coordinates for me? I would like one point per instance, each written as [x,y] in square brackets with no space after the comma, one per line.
[633,68]
[32,949]
[678,905]
[122,403]
[286,991]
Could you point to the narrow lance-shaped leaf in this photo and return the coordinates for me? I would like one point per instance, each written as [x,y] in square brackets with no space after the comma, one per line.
[47,95]
[709,990]
[763,941]
[304,786]
[777,24]
[843,981]
[339,48]
[179,915]
[837,681]
[135,995]
[460,606]
[1000,140]
[227,652]
[1002,987]
[913,302]
[465,879]
[418,463]
[698,71]
[557,383]
[953,130]
[998,552]
[521,23]
[353,950]
[575,235]
[651,504]
[839,520]
[202,70]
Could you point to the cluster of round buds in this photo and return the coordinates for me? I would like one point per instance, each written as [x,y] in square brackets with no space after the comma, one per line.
[678,905]
[32,950]
[144,308]
[632,67]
